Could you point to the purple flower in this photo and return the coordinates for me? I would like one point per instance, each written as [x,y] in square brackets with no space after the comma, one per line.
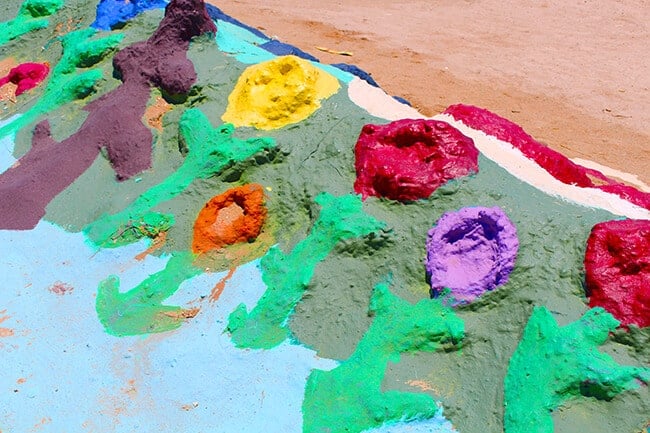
[470,251]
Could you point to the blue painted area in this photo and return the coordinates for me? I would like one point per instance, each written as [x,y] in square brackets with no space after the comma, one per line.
[438,424]
[81,379]
[113,13]
[402,100]
[339,74]
[218,15]
[7,146]
[357,71]
[281,49]
[247,48]
[241,43]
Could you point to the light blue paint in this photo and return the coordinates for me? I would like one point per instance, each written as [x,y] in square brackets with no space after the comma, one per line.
[241,43]
[438,424]
[7,144]
[244,45]
[76,373]
[343,76]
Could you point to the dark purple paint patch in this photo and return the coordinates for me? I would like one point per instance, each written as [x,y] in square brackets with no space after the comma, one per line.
[161,62]
[46,170]
[114,121]
[470,251]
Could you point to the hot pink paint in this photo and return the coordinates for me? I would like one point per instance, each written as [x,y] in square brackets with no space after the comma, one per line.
[558,165]
[617,266]
[26,76]
[409,159]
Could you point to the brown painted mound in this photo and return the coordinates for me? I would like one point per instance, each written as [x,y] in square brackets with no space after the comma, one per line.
[235,216]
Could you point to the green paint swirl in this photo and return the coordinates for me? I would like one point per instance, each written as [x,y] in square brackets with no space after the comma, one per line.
[287,275]
[349,398]
[552,365]
[139,311]
[31,16]
[210,151]
[65,83]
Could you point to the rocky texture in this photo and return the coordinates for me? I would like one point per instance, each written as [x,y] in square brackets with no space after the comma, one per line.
[73,77]
[114,121]
[235,216]
[312,156]
[469,252]
[160,62]
[409,159]
[553,365]
[277,93]
[558,165]
[617,266]
[26,76]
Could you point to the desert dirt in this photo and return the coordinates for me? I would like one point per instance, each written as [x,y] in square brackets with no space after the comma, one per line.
[573,74]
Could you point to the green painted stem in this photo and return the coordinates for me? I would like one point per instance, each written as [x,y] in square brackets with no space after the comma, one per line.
[287,275]
[31,16]
[349,398]
[140,310]
[555,364]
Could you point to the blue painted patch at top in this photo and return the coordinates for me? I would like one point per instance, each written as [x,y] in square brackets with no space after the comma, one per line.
[241,43]
[217,14]
[281,49]
[112,13]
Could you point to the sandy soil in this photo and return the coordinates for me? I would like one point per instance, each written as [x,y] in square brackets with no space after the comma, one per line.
[574,74]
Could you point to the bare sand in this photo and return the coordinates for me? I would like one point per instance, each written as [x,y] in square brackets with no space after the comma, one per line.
[574,74]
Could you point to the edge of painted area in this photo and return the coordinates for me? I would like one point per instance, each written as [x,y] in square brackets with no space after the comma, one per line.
[241,43]
[247,48]
[378,103]
[632,179]
[7,144]
[527,170]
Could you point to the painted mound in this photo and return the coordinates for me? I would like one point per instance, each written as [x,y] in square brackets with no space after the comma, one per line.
[182,273]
